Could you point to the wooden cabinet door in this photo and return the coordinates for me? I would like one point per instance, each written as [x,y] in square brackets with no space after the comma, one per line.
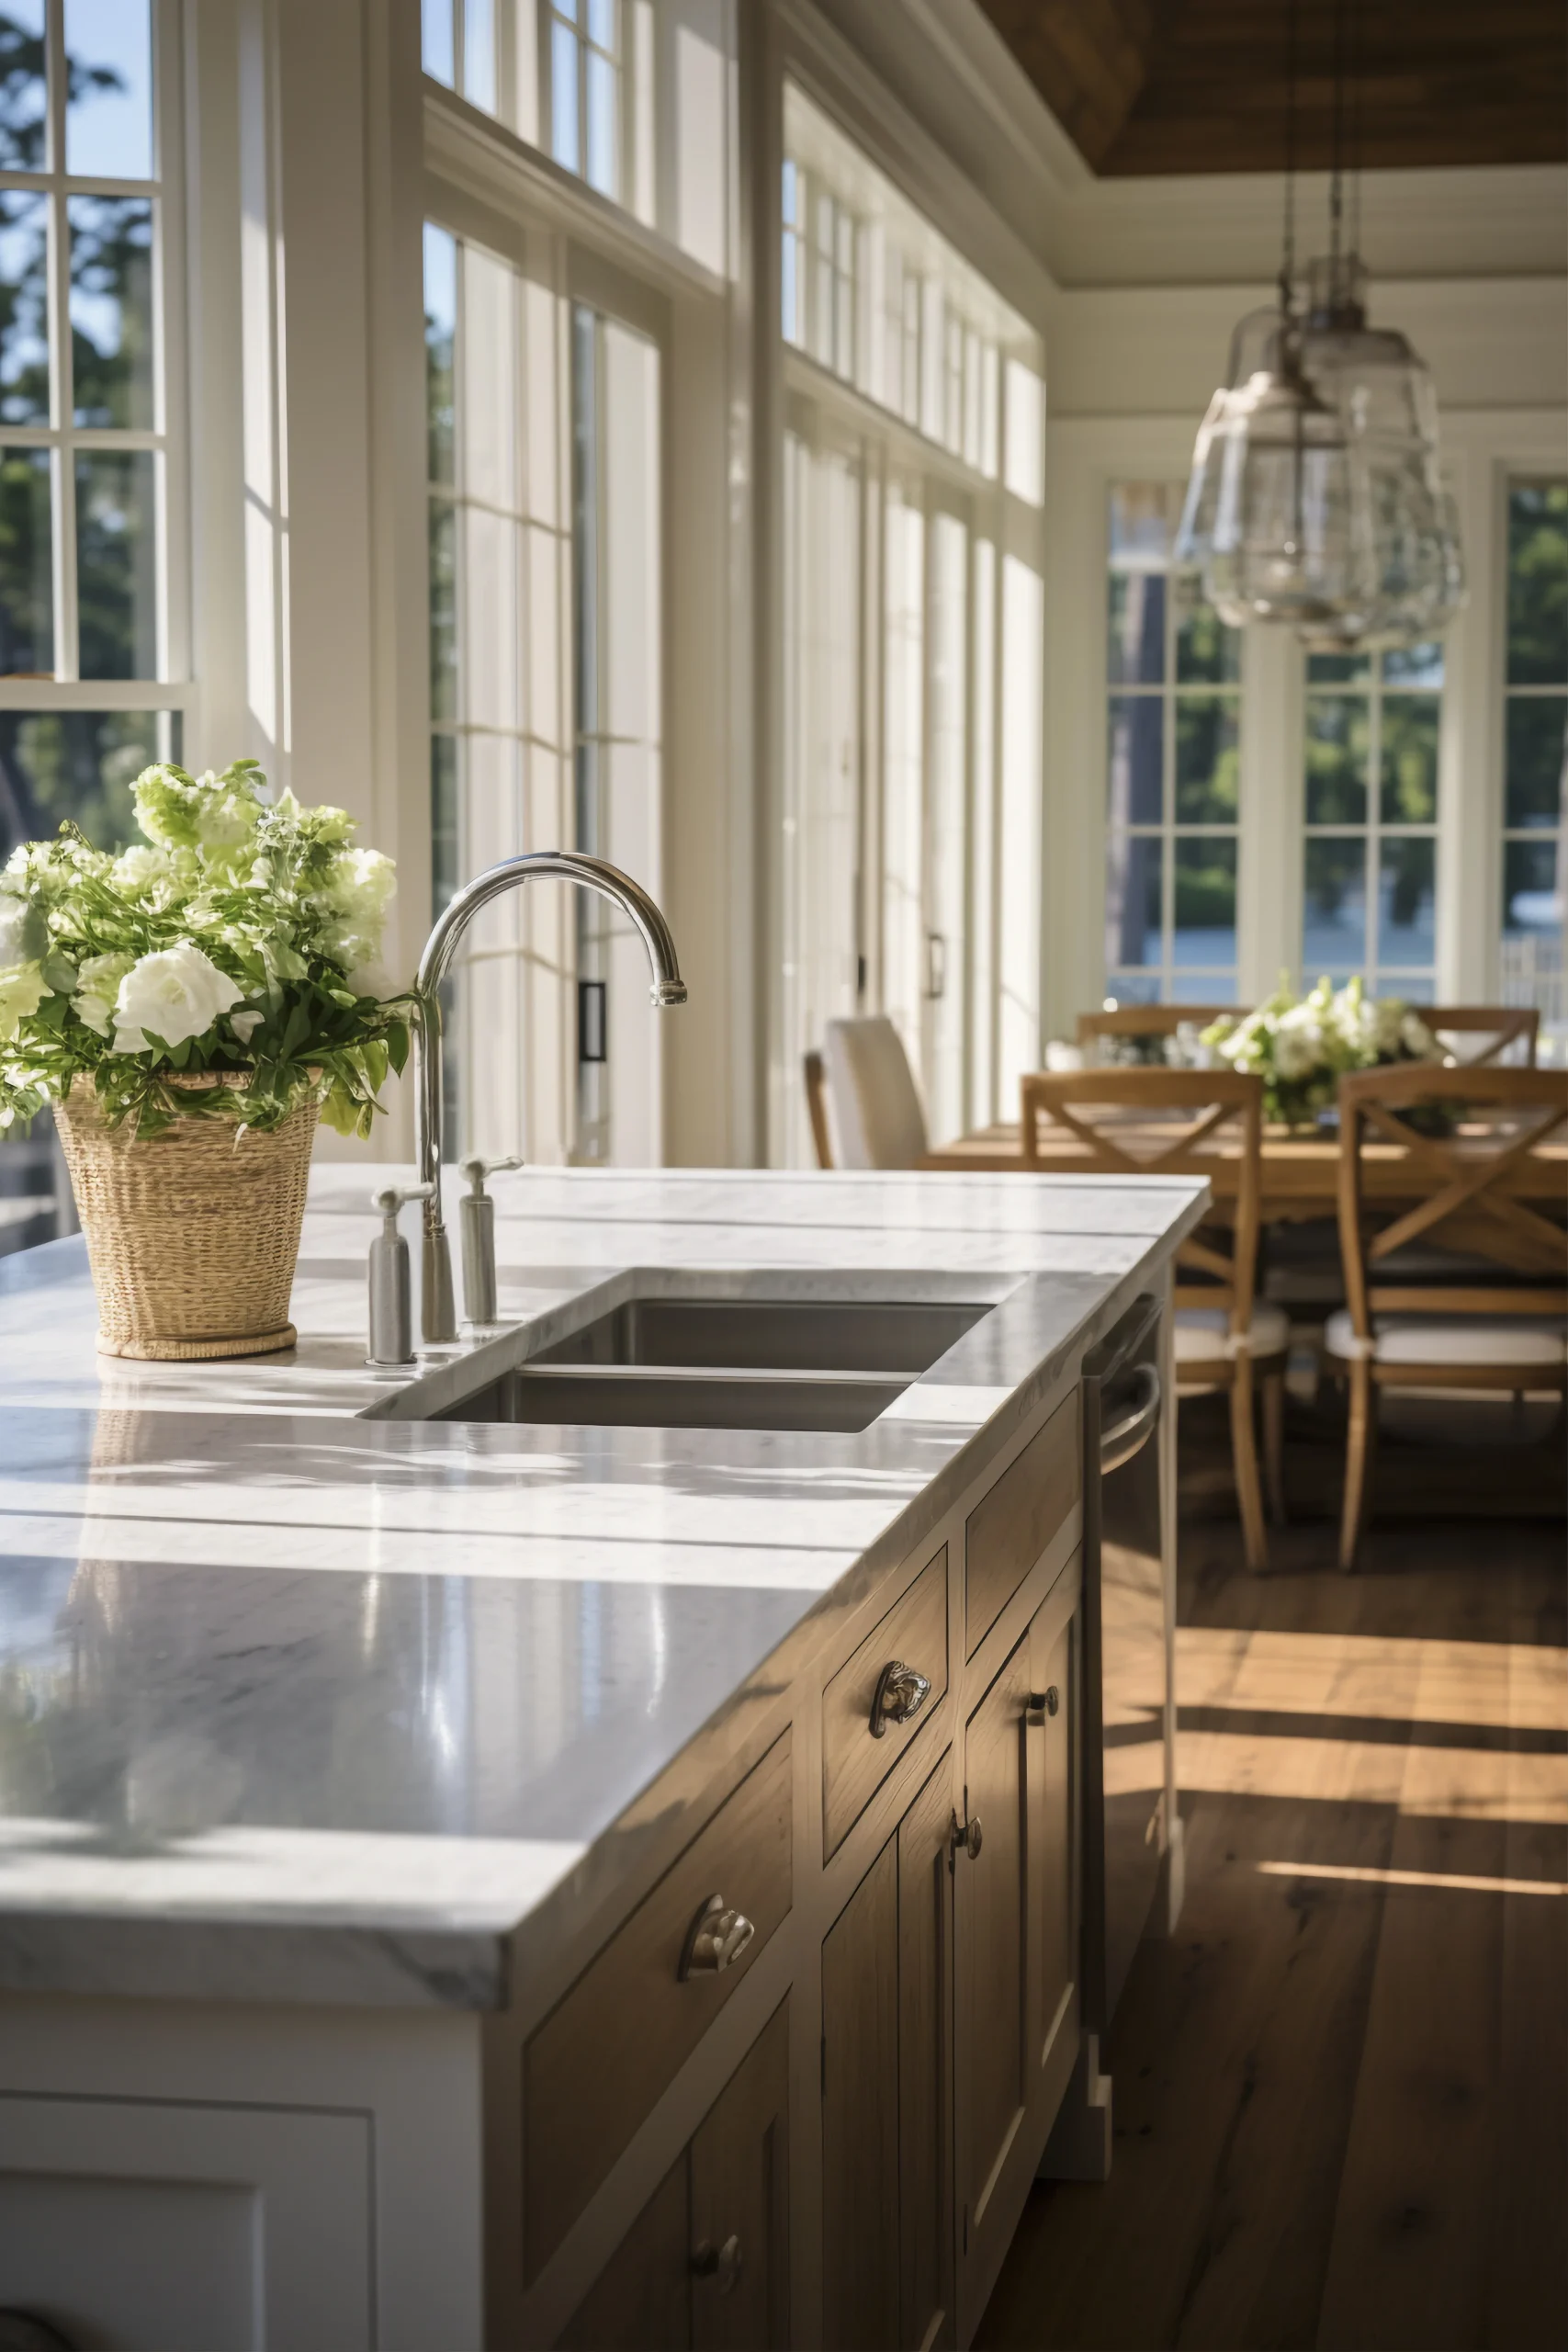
[1016,1938]
[925,2064]
[860,2116]
[991,1950]
[887,2096]
[704,2268]
[739,2216]
[643,2297]
[1054,1767]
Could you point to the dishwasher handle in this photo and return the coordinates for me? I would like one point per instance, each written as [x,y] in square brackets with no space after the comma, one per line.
[1131,1432]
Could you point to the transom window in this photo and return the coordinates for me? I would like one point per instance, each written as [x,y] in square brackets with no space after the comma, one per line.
[1173,768]
[872,293]
[87,626]
[1370,857]
[1535,753]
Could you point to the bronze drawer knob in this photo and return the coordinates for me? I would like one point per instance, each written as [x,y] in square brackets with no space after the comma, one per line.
[899,1695]
[715,1940]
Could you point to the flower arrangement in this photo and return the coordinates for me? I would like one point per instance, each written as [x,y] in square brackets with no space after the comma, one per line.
[238,938]
[1301,1049]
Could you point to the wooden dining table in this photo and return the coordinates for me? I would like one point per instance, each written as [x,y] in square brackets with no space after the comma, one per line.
[1300,1174]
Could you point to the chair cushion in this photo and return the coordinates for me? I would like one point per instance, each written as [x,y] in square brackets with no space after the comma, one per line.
[1203,1333]
[1454,1339]
[877,1118]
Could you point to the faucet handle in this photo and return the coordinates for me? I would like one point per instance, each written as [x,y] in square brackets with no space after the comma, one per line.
[476,1170]
[477,1211]
[388,1202]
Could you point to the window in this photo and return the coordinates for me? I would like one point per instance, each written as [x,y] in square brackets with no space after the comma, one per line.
[91,629]
[1173,769]
[460,45]
[578,77]
[542,510]
[1369,902]
[1534,755]
[585,91]
[906,866]
[872,293]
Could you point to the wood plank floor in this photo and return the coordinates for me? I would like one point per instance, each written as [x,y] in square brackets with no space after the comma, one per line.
[1341,2089]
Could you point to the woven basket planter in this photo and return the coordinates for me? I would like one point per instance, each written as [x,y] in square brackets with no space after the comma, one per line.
[192,1235]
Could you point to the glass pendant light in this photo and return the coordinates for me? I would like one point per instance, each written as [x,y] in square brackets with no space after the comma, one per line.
[1316,496]
[1383,390]
[1276,511]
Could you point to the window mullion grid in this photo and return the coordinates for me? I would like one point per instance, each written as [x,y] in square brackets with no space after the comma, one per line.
[63,484]
[1374,824]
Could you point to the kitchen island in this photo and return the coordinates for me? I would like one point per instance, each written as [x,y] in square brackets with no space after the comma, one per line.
[469,1878]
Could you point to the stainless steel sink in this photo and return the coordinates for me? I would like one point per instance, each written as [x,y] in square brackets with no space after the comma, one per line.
[677,1355]
[637,1397]
[890,1338]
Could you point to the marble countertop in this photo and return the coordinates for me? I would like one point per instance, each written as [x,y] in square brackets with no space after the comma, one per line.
[303,1698]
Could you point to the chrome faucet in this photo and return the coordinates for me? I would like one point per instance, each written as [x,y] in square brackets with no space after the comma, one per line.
[438,1316]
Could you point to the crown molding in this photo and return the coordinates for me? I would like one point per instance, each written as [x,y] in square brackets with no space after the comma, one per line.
[952,72]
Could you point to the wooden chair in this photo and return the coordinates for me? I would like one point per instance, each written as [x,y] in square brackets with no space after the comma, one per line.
[1464,1332]
[877,1115]
[1078,1122]
[1149,1020]
[816,1107]
[1500,1027]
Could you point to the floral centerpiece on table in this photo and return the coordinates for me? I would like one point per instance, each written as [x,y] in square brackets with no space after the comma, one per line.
[1301,1048]
[239,938]
[190,1007]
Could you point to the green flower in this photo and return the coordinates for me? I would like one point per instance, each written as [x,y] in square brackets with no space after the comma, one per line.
[22,990]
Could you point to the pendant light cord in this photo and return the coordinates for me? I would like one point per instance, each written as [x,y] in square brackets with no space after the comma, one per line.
[1287,253]
[1336,184]
[1355,132]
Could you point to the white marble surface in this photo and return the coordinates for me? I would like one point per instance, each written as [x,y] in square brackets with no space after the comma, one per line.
[300,1704]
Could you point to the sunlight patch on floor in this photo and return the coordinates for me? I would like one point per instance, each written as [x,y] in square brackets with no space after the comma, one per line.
[1449,1883]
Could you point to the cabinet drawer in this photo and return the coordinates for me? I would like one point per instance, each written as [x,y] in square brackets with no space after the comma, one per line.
[854,1764]
[606,2054]
[1009,1528]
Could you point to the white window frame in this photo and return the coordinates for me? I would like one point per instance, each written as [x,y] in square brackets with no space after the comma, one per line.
[1169,693]
[170,688]
[1554,1021]
[1374,829]
[945,457]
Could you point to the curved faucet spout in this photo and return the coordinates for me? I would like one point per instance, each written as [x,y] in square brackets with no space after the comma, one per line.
[437,1308]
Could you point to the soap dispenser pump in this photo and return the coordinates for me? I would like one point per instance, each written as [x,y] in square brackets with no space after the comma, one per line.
[392,1288]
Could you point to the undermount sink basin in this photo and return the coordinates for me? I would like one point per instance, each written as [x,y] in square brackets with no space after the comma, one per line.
[636,1397]
[685,1361]
[895,1339]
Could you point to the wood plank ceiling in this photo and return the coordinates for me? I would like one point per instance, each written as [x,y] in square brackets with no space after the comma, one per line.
[1146,86]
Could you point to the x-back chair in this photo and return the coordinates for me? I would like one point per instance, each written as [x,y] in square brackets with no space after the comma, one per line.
[1149,1019]
[1463,1135]
[1506,1033]
[1083,1122]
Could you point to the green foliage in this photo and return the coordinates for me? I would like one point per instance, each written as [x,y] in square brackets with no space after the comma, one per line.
[254,922]
[1538,583]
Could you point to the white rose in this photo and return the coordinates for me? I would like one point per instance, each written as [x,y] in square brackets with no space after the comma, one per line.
[22,990]
[24,935]
[1418,1039]
[178,993]
[98,986]
[1296,1050]
[140,868]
